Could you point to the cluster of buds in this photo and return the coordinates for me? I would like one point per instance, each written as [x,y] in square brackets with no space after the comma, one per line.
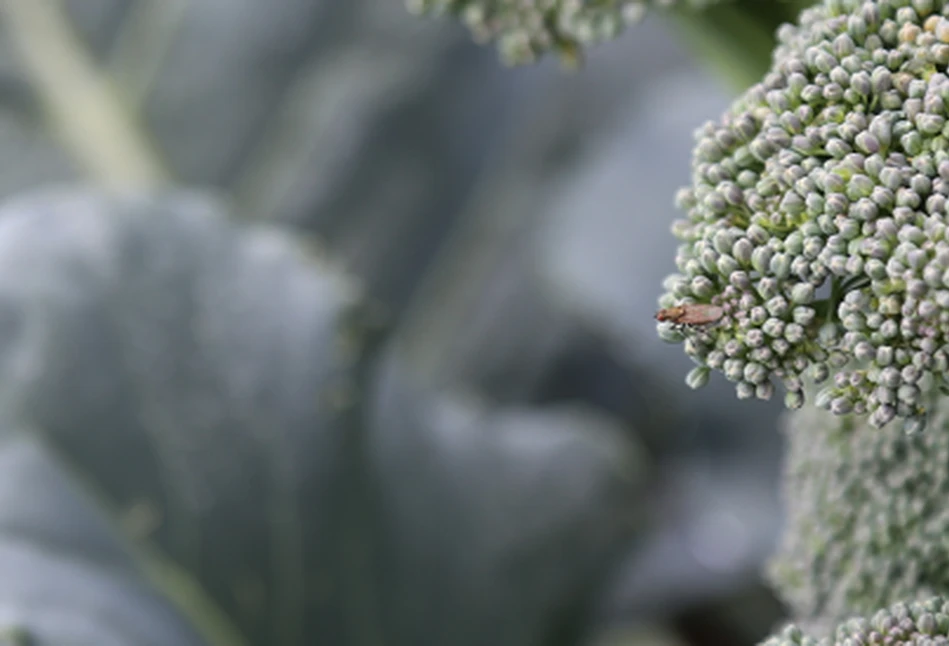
[526,29]
[817,218]
[866,522]
[901,624]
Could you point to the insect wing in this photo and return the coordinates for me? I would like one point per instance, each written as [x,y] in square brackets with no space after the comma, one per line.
[699,314]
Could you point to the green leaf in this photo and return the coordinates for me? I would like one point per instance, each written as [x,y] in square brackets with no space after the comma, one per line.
[202,372]
[520,512]
[66,578]
[215,376]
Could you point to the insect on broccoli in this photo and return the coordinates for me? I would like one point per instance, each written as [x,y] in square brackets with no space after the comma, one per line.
[691,314]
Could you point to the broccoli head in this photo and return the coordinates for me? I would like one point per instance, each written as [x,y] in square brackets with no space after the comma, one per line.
[922,623]
[817,215]
[866,519]
[526,29]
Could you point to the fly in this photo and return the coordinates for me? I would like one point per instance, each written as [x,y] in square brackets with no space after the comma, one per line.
[691,314]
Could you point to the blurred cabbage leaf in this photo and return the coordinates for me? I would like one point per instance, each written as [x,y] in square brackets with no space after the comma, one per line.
[220,377]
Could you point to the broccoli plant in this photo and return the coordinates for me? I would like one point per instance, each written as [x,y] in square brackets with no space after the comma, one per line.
[814,259]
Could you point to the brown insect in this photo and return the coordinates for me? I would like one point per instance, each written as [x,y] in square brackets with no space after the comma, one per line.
[691,314]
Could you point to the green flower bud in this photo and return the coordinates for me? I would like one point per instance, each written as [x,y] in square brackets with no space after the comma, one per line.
[697,377]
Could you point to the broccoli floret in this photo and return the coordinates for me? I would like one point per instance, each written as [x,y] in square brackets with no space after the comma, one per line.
[922,623]
[526,29]
[867,520]
[816,217]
